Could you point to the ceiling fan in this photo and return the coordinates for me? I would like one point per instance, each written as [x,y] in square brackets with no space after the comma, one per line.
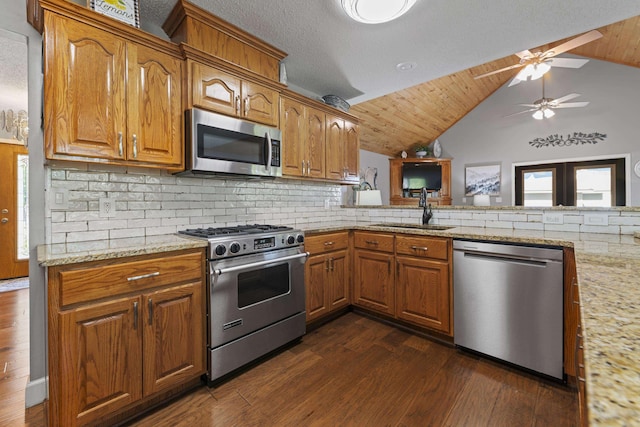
[536,64]
[543,107]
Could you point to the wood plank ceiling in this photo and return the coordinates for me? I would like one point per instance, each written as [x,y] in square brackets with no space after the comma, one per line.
[420,114]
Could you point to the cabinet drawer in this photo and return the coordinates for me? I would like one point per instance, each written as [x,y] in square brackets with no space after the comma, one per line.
[373,241]
[423,247]
[326,242]
[108,280]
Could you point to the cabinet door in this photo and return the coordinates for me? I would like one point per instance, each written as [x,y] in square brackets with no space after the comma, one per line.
[317,292]
[293,137]
[215,90]
[100,354]
[84,91]
[351,151]
[260,104]
[334,148]
[315,142]
[339,280]
[154,128]
[373,285]
[423,292]
[174,340]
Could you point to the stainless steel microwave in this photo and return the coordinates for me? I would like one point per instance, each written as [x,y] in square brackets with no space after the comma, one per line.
[217,144]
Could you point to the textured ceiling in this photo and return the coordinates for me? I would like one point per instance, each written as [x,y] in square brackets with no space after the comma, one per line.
[331,54]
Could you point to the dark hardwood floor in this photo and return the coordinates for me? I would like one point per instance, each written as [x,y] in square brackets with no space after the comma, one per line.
[356,371]
[353,371]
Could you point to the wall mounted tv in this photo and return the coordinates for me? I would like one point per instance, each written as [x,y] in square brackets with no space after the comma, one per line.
[421,175]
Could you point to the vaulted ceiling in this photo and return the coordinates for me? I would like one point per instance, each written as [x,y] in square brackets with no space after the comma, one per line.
[420,114]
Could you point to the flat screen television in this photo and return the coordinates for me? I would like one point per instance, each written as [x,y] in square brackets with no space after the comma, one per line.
[421,175]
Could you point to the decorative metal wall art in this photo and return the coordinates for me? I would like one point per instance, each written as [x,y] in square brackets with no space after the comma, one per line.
[578,138]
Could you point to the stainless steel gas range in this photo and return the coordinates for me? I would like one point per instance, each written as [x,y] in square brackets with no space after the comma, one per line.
[256,297]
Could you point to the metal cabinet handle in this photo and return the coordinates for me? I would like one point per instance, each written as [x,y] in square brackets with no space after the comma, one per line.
[5,211]
[135,315]
[331,264]
[420,248]
[371,242]
[326,265]
[308,167]
[4,220]
[329,243]
[120,148]
[237,104]
[143,276]
[246,106]
[150,311]
[135,146]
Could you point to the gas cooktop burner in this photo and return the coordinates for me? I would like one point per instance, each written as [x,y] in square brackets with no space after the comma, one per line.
[207,233]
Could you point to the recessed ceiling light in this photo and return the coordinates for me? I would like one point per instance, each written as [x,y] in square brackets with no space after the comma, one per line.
[376,11]
[406,66]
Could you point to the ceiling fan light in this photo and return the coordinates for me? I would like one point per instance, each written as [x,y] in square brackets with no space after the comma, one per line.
[525,73]
[548,112]
[376,11]
[538,115]
[539,70]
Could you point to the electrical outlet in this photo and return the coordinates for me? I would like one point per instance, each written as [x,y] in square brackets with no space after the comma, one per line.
[552,218]
[107,207]
[59,198]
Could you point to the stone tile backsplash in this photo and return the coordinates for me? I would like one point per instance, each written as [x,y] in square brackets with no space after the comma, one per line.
[153,203]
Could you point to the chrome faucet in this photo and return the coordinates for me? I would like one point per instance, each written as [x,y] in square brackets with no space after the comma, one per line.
[427,214]
[423,198]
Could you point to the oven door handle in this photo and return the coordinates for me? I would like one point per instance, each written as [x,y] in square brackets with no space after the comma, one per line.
[219,271]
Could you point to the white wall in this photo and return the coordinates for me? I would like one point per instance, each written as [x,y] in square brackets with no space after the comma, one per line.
[13,18]
[380,162]
[485,135]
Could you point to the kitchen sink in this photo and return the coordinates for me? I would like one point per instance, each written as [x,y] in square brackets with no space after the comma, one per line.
[418,226]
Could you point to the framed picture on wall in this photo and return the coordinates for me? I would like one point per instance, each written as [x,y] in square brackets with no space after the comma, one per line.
[482,179]
[126,11]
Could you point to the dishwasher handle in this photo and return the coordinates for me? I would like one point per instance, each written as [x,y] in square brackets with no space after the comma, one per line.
[539,262]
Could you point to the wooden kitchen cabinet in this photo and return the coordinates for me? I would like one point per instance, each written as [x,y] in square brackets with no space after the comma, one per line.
[121,332]
[395,179]
[316,143]
[374,272]
[423,287]
[327,274]
[109,99]
[342,149]
[303,136]
[222,92]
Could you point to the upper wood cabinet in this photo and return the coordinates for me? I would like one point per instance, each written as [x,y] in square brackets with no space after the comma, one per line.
[222,92]
[303,136]
[318,144]
[343,143]
[109,99]
[395,178]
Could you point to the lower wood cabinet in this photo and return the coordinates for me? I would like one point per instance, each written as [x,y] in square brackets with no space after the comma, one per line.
[327,274]
[122,331]
[406,277]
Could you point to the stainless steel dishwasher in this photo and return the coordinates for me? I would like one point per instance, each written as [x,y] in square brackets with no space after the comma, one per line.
[508,303]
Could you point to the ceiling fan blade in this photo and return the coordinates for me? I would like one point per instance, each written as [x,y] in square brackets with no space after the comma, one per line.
[567,62]
[572,104]
[565,98]
[521,112]
[498,71]
[524,54]
[573,43]
[528,105]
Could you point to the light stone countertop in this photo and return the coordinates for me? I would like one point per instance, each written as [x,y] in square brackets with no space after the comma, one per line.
[609,284]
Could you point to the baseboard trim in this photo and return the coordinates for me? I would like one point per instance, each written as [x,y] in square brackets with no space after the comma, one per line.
[36,392]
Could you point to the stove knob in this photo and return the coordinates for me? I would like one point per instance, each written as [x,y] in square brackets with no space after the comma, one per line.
[300,238]
[220,250]
[291,240]
[234,248]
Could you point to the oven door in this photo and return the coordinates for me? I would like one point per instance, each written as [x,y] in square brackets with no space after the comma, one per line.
[250,292]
